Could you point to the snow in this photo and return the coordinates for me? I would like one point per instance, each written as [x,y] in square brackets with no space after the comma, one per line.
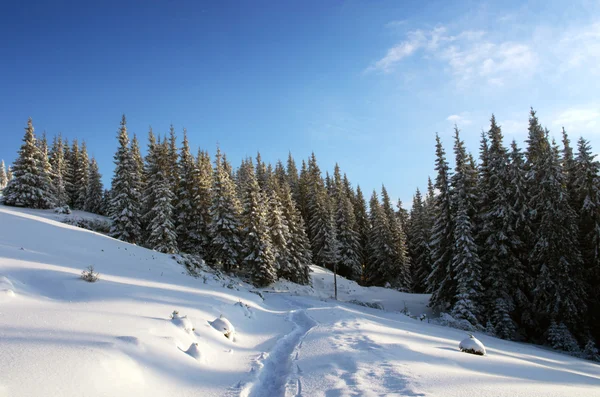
[61,336]
[224,326]
[472,345]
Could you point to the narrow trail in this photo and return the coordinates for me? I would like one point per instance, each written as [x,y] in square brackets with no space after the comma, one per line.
[277,368]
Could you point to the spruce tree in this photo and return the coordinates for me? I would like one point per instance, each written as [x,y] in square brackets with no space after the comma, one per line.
[3,178]
[225,219]
[586,201]
[279,231]
[125,197]
[188,206]
[72,157]
[380,251]
[362,231]
[418,247]
[46,172]
[258,257]
[293,177]
[349,261]
[298,245]
[441,281]
[500,241]
[204,198]
[9,174]
[82,177]
[58,163]
[395,237]
[26,188]
[148,193]
[161,227]
[94,191]
[173,171]
[465,265]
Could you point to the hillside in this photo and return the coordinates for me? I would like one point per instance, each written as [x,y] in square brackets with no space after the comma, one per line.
[61,336]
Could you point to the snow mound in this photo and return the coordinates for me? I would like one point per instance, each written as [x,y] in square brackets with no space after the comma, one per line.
[223,325]
[194,351]
[182,322]
[8,292]
[472,345]
[247,310]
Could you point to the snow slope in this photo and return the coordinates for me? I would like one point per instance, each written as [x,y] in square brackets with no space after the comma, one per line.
[61,336]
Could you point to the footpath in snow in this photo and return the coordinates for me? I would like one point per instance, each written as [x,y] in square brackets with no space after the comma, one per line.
[61,336]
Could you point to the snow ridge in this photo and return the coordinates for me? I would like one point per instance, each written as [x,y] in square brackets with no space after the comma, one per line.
[276,371]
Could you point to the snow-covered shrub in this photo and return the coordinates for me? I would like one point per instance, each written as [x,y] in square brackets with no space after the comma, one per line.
[90,275]
[372,305]
[95,225]
[447,320]
[194,351]
[192,263]
[223,325]
[590,352]
[472,345]
[63,210]
[560,338]
[182,321]
[423,317]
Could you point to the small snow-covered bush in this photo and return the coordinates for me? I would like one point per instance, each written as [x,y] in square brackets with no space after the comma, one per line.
[472,345]
[63,210]
[590,352]
[194,351]
[223,325]
[90,275]
[372,305]
[182,321]
[447,320]
[95,225]
[561,338]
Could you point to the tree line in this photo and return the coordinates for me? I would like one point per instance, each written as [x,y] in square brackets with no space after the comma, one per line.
[508,244]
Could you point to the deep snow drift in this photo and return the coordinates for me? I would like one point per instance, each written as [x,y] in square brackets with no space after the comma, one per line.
[61,336]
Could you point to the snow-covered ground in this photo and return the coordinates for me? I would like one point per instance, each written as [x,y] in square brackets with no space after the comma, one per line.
[61,336]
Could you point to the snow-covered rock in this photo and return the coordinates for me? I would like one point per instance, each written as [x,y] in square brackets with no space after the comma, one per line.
[472,345]
[223,325]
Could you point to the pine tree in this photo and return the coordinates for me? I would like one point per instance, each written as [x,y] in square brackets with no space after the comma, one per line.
[279,232]
[204,200]
[441,281]
[321,222]
[94,191]
[173,171]
[561,338]
[148,194]
[161,227]
[465,264]
[298,245]
[585,198]
[125,197]
[418,247]
[188,206]
[258,257]
[82,177]
[3,178]
[105,210]
[46,172]
[27,187]
[293,177]
[58,163]
[362,231]
[555,257]
[349,263]
[225,214]
[399,266]
[503,267]
[380,251]
[72,157]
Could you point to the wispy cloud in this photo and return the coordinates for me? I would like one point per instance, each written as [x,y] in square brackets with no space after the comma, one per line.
[396,24]
[468,54]
[460,119]
[579,120]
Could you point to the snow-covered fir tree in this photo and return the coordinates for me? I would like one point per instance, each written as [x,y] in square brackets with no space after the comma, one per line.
[279,230]
[380,251]
[321,222]
[161,227]
[148,194]
[418,237]
[225,224]
[561,338]
[172,163]
[188,206]
[204,202]
[46,171]
[441,281]
[298,245]
[95,190]
[82,177]
[500,243]
[28,186]
[349,263]
[3,177]
[465,264]
[9,174]
[70,177]
[362,230]
[125,197]
[258,258]
[585,196]
[399,267]
[58,162]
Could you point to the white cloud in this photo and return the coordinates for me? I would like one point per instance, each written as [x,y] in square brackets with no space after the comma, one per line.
[579,120]
[468,54]
[459,119]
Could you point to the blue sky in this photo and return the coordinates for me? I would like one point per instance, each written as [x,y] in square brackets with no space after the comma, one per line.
[363,83]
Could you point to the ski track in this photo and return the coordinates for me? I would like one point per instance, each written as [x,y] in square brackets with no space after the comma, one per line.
[274,377]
